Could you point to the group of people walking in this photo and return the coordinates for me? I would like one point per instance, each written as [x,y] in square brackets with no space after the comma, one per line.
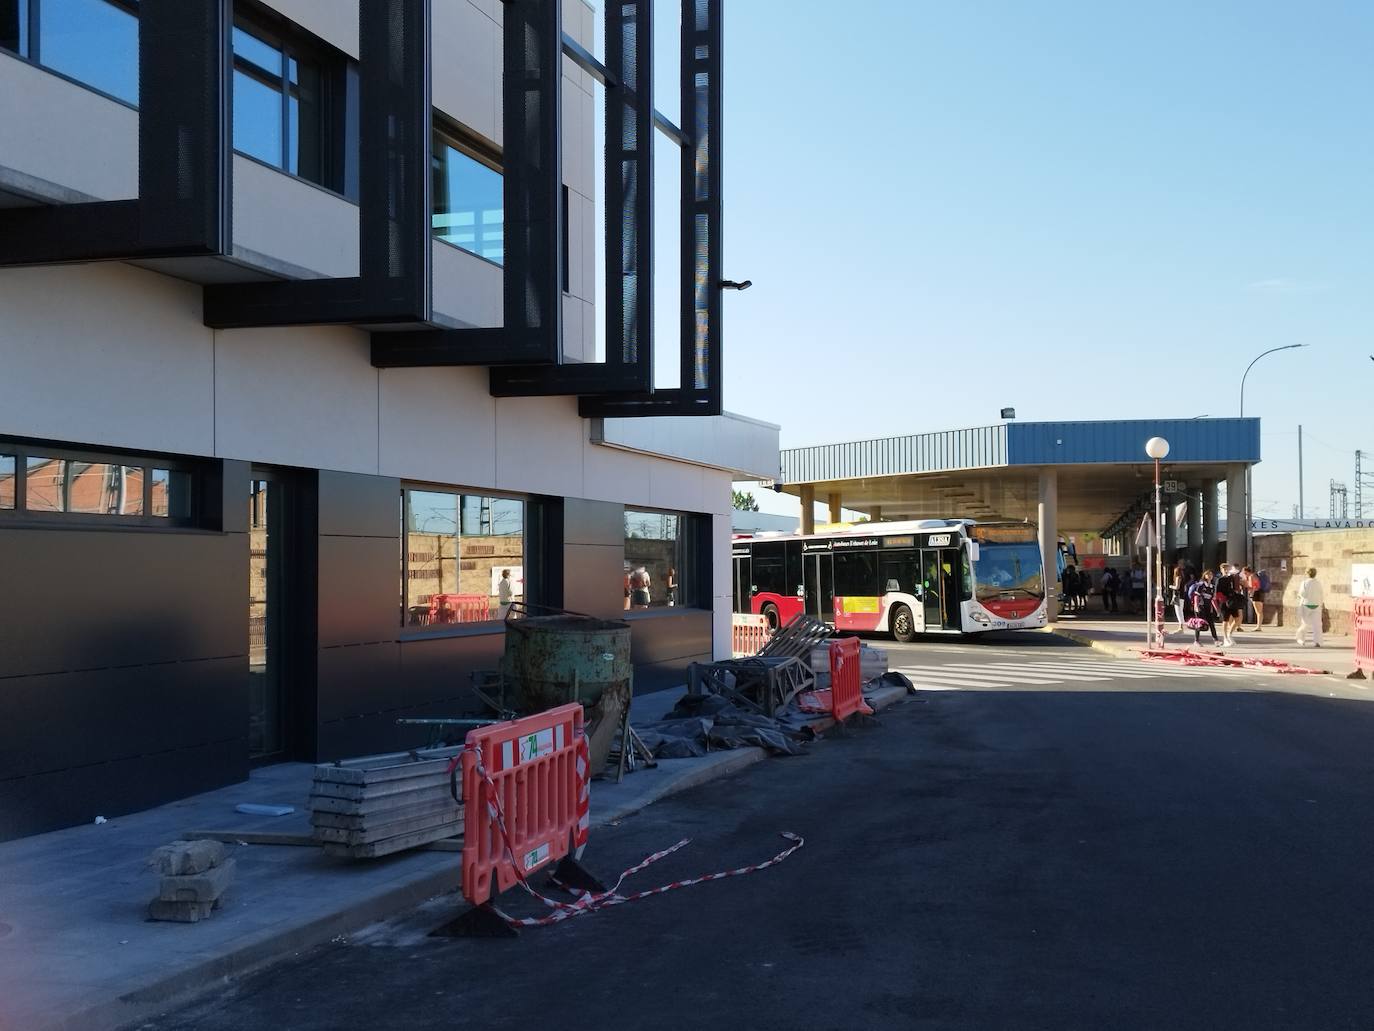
[1127,588]
[1220,596]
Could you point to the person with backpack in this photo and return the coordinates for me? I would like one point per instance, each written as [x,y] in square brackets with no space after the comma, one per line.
[1110,583]
[1069,588]
[1259,589]
[1230,603]
[1202,597]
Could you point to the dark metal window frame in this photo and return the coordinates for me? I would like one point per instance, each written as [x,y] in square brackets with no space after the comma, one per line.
[530,524]
[22,450]
[260,23]
[184,155]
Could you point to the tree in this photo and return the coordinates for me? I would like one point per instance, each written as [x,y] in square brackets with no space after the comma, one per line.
[743,501]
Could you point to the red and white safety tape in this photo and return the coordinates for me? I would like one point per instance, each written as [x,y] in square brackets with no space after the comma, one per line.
[590,902]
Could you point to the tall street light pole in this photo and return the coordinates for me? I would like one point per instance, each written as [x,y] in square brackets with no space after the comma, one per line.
[1249,514]
[1158,449]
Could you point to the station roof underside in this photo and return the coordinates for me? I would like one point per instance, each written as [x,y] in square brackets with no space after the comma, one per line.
[993,472]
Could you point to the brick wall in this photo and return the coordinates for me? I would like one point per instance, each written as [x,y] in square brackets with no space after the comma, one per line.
[1332,552]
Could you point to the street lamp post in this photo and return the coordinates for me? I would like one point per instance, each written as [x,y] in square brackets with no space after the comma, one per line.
[1249,514]
[1157,448]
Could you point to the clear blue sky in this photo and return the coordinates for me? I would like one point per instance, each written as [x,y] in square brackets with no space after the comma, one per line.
[1083,210]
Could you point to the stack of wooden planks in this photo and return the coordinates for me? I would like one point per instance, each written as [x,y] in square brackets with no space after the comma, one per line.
[380,804]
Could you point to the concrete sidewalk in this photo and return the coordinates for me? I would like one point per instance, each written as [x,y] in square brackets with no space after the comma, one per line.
[1126,638]
[76,949]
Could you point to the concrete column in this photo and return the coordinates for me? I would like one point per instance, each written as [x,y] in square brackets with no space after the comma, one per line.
[1194,527]
[808,505]
[1209,523]
[1047,515]
[1237,514]
[876,513]
[834,508]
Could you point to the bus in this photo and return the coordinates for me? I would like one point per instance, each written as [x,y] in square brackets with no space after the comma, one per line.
[902,578]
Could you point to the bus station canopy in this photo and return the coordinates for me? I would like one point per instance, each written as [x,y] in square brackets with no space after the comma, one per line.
[1097,473]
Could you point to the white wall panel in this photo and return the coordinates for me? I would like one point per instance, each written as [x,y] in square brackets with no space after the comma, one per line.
[466,80]
[539,444]
[619,476]
[65,135]
[676,485]
[438,425]
[334,21]
[722,572]
[467,289]
[302,396]
[105,354]
[281,221]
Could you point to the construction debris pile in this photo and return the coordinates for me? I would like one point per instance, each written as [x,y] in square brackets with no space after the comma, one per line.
[194,877]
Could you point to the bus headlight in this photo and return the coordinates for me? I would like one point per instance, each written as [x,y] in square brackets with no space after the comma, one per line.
[980,617]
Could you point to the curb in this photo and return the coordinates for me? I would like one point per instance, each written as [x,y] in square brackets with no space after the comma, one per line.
[150,999]
[1115,650]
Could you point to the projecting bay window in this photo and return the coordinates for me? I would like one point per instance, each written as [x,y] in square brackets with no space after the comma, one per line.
[463,557]
[469,209]
[93,42]
[295,107]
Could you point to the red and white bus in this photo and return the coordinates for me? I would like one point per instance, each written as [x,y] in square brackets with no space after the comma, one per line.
[902,578]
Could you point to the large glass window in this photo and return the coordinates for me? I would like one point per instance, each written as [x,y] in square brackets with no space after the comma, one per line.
[657,560]
[98,488]
[856,574]
[289,104]
[468,199]
[93,41]
[45,484]
[1008,571]
[463,559]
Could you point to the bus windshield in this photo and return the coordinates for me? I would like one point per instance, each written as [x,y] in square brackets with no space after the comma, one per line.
[1008,571]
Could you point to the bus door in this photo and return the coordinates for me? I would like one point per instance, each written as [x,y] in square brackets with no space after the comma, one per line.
[818,579]
[743,583]
[933,589]
[950,594]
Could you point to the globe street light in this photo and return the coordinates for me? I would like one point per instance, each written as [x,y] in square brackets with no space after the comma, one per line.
[1249,558]
[1158,449]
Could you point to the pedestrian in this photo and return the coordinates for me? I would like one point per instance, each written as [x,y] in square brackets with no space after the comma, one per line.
[1085,588]
[1137,587]
[505,594]
[1110,583]
[1174,595]
[1259,590]
[1070,589]
[639,588]
[1310,596]
[1230,603]
[1202,597]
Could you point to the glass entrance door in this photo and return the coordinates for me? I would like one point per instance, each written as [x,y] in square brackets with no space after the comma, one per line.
[266,691]
[819,582]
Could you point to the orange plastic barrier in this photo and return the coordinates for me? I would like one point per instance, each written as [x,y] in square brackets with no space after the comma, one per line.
[1364,635]
[521,791]
[846,684]
[748,634]
[459,608]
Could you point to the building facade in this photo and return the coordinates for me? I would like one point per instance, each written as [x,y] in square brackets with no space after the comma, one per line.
[307,373]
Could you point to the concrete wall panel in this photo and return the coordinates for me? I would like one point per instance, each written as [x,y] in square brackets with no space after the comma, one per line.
[438,425]
[263,237]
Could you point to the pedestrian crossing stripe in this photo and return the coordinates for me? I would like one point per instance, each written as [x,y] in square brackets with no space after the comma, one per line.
[998,674]
[1120,669]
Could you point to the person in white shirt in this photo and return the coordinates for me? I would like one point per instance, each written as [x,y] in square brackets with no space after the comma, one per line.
[1310,610]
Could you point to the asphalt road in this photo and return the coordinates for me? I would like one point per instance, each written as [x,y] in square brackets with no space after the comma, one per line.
[1158,852]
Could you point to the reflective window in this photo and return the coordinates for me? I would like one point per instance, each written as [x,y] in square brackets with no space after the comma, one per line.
[93,41]
[468,202]
[100,489]
[656,559]
[282,105]
[463,559]
[7,481]
[171,494]
[44,484]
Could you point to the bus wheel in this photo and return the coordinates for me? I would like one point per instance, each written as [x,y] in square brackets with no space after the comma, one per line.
[903,626]
[770,613]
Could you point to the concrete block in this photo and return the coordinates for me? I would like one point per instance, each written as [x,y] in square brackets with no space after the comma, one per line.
[179,912]
[198,887]
[186,857]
